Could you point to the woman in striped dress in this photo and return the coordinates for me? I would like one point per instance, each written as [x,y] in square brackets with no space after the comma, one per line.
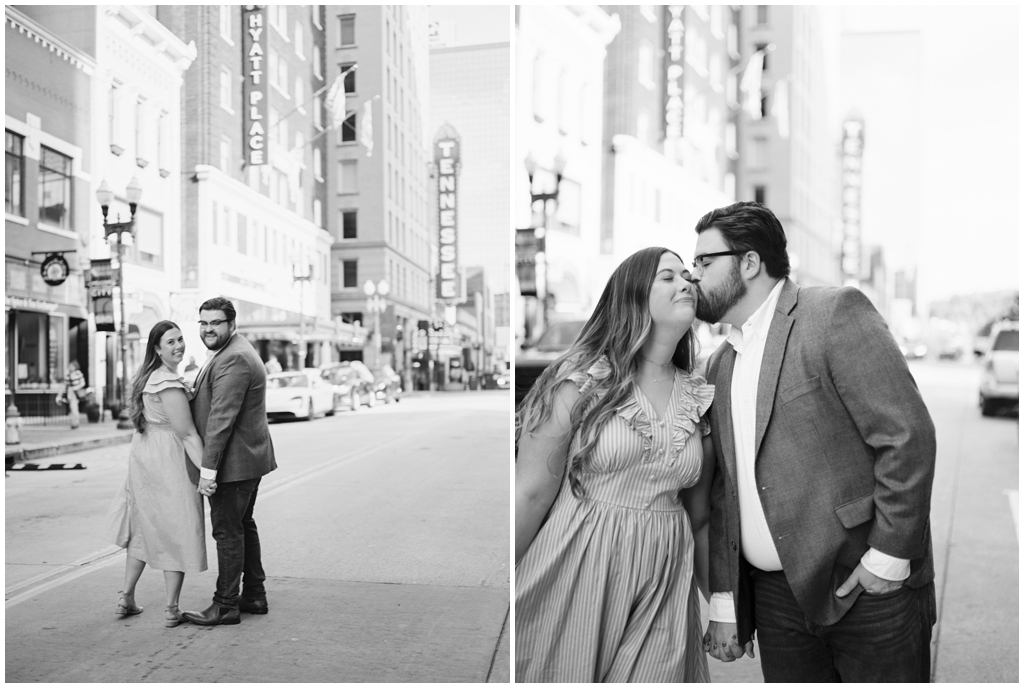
[158,513]
[612,489]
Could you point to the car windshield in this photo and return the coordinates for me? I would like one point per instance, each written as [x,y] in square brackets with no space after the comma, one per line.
[559,336]
[1007,340]
[287,381]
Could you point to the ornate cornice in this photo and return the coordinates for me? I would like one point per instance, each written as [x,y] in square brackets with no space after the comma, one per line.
[32,30]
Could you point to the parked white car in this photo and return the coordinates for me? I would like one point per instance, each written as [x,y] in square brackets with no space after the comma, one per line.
[298,394]
[1000,379]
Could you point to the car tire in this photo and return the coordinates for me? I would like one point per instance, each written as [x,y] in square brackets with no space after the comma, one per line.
[988,407]
[355,400]
[332,409]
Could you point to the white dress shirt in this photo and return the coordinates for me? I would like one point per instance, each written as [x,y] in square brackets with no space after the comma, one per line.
[755,536]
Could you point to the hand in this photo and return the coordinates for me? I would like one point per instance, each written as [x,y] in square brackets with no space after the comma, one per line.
[720,642]
[872,584]
[207,487]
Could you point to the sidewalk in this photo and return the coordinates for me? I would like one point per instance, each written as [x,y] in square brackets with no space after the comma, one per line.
[41,442]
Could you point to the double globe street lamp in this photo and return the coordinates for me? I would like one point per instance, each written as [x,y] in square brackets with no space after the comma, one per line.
[105,197]
[376,303]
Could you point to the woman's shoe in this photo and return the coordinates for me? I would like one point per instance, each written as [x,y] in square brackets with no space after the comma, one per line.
[126,605]
[173,616]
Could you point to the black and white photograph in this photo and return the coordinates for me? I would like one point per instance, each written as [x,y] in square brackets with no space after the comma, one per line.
[766,357]
[258,343]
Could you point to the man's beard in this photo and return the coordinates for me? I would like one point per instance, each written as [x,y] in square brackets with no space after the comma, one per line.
[712,305]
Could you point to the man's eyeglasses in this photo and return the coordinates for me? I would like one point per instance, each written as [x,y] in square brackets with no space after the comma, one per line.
[213,323]
[698,261]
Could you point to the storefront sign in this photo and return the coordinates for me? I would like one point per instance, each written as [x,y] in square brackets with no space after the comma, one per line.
[254,89]
[446,157]
[674,77]
[853,152]
[54,269]
[30,304]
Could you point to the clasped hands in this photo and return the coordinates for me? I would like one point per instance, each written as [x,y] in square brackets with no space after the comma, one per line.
[207,487]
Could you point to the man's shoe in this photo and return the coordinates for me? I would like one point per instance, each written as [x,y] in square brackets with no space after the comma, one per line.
[253,606]
[215,615]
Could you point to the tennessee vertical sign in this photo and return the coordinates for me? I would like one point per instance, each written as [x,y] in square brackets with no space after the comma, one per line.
[446,157]
[254,90]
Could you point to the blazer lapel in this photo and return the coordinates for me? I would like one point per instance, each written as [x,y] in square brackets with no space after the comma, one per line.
[771,362]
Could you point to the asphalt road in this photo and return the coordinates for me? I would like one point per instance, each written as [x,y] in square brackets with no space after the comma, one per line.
[385,538]
[974,534]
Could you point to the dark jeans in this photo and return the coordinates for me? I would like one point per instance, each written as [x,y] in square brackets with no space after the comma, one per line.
[238,542]
[883,638]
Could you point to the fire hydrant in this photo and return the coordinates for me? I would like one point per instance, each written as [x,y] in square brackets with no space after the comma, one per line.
[12,436]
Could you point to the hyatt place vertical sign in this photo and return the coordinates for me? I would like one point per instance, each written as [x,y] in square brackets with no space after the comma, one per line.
[254,89]
[446,157]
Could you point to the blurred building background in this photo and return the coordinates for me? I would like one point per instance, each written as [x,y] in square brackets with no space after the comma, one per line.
[819,112]
[277,155]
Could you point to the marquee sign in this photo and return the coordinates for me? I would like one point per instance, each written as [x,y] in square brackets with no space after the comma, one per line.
[675,42]
[446,157]
[254,90]
[853,154]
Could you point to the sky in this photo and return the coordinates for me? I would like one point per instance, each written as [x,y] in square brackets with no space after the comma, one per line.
[942,141]
[472,24]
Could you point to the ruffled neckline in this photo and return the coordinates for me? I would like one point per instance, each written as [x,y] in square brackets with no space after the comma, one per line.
[159,378]
[692,398]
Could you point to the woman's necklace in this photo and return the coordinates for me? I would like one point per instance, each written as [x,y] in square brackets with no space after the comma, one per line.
[660,365]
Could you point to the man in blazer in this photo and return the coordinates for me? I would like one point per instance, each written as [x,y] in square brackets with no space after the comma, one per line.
[229,409]
[819,533]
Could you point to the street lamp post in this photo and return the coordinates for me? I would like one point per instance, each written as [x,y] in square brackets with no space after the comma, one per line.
[376,304]
[540,233]
[105,197]
[302,279]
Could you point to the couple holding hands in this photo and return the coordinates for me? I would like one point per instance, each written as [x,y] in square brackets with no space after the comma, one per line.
[211,440]
[790,484]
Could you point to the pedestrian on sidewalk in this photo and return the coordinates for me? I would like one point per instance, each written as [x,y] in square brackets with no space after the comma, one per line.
[158,513]
[74,387]
[230,412]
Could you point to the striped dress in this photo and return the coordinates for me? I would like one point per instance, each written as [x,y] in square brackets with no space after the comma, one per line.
[158,507]
[606,591]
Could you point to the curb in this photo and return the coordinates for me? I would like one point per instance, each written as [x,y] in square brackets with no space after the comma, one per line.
[48,467]
[34,452]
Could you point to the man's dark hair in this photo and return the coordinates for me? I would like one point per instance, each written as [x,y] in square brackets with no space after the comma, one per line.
[219,303]
[750,226]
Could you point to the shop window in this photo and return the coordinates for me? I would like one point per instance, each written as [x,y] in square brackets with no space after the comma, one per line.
[54,188]
[41,340]
[14,197]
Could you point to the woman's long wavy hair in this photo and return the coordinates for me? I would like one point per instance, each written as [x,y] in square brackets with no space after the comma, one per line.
[149,364]
[620,325]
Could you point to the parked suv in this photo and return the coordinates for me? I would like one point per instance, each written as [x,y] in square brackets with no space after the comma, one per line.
[1001,377]
[353,384]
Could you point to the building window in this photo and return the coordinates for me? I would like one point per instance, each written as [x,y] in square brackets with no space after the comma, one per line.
[317,114]
[298,40]
[347,30]
[114,115]
[646,62]
[54,188]
[318,216]
[317,166]
[299,102]
[316,16]
[349,224]
[759,194]
[163,144]
[763,48]
[350,78]
[348,129]
[14,197]
[225,88]
[141,138]
[762,15]
[350,274]
[225,155]
[316,63]
[243,234]
[225,22]
[347,177]
[764,103]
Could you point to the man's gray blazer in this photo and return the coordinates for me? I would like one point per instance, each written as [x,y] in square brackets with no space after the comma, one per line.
[230,412]
[844,447]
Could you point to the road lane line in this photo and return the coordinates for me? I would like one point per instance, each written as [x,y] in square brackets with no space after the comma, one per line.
[1014,497]
[113,555]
